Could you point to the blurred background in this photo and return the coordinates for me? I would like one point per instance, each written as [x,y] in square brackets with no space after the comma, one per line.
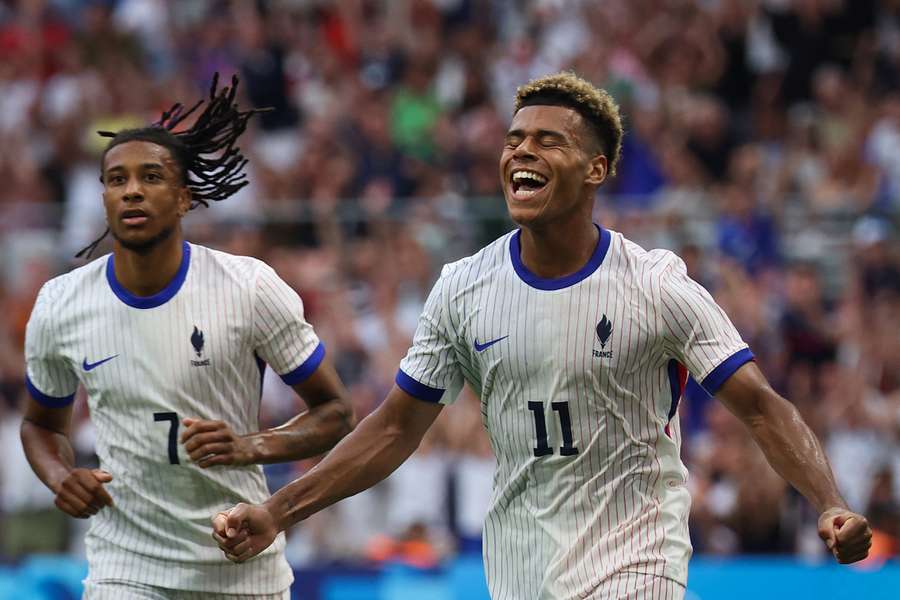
[763,145]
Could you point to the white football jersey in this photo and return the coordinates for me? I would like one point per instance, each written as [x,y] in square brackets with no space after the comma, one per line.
[579,379]
[196,349]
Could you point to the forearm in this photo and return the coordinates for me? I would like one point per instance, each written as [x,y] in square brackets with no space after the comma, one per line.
[371,453]
[309,434]
[795,453]
[49,453]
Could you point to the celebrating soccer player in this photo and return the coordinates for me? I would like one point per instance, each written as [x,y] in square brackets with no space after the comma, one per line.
[170,340]
[578,343]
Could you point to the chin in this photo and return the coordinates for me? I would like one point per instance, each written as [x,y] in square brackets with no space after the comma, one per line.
[143,241]
[524,216]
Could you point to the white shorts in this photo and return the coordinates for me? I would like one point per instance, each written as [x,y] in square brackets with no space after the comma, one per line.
[627,585]
[127,590]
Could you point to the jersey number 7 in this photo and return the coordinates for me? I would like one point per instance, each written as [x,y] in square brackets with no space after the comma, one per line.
[173,434]
[540,428]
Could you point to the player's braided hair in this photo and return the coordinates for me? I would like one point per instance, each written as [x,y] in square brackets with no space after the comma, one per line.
[211,165]
[595,106]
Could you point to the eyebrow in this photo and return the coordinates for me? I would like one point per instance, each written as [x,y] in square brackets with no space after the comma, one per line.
[539,133]
[144,166]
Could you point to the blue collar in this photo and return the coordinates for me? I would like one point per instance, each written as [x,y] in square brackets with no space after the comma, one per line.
[160,297]
[515,253]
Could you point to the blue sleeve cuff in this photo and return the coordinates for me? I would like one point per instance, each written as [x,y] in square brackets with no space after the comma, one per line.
[416,389]
[726,369]
[44,399]
[309,366]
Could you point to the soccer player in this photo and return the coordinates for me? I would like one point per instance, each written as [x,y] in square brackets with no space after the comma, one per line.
[170,340]
[578,343]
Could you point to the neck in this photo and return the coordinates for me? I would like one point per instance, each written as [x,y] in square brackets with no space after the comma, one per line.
[147,272]
[558,250]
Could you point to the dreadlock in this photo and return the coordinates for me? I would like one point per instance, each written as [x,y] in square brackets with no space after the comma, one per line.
[212,167]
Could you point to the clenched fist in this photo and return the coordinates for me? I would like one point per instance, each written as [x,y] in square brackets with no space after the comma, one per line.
[81,493]
[211,443]
[847,534]
[244,531]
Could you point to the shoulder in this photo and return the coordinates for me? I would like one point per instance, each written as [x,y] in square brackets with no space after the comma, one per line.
[656,264]
[58,291]
[242,271]
[485,261]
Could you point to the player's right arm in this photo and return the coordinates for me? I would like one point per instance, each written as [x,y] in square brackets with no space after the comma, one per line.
[374,450]
[428,377]
[48,416]
[45,438]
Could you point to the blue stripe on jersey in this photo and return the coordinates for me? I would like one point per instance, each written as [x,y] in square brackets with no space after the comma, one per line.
[561,282]
[674,387]
[44,399]
[726,369]
[261,365]
[308,367]
[157,299]
[416,389]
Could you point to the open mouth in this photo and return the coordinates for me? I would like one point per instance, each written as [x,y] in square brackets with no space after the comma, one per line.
[525,183]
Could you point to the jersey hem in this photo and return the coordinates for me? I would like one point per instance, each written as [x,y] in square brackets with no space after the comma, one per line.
[682,581]
[108,564]
[307,368]
[417,389]
[45,399]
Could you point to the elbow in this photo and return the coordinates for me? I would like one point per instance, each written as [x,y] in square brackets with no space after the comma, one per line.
[769,410]
[30,427]
[344,418]
[347,417]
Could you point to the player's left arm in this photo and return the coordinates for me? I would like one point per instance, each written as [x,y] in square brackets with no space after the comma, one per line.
[282,338]
[796,454]
[328,418]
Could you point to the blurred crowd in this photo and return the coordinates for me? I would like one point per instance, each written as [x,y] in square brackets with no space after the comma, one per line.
[763,145]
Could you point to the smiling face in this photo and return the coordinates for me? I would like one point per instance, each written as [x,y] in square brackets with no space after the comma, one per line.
[550,167]
[144,194]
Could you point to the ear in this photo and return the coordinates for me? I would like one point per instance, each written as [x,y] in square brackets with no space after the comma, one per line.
[184,201]
[597,167]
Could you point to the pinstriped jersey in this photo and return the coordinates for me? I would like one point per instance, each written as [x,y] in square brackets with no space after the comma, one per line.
[579,379]
[196,349]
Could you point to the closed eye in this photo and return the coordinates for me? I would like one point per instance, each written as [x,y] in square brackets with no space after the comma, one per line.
[551,140]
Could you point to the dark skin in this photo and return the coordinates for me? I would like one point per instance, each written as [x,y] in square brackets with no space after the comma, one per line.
[558,238]
[145,198]
[558,234]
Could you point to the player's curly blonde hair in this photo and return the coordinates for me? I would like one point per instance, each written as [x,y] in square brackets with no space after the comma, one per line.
[594,104]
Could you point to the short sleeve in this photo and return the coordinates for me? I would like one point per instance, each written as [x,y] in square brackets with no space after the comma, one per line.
[698,332]
[49,377]
[430,370]
[282,336]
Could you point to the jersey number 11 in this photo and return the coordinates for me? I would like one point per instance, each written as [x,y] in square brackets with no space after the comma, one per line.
[540,428]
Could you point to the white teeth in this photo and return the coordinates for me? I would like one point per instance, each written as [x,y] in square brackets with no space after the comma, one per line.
[520,175]
[524,194]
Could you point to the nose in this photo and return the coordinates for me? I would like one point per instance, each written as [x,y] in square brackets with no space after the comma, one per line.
[525,149]
[133,190]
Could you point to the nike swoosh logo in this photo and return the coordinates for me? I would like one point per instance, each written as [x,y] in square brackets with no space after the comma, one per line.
[91,366]
[486,345]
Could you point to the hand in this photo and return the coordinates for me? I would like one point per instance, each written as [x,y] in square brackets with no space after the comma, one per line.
[244,531]
[847,534]
[211,443]
[81,493]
